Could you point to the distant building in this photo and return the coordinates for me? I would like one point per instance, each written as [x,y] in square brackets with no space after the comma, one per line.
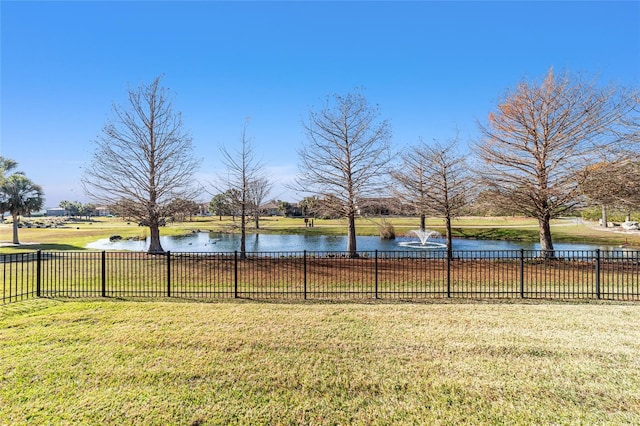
[273,208]
[103,211]
[57,211]
[294,210]
[270,209]
[203,209]
[382,206]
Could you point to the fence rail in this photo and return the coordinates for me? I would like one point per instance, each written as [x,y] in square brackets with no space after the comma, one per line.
[410,275]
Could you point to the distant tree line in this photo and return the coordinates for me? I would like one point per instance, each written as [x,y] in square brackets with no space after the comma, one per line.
[76,208]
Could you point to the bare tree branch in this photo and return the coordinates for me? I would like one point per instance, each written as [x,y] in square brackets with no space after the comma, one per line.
[540,138]
[246,182]
[345,158]
[143,159]
[434,179]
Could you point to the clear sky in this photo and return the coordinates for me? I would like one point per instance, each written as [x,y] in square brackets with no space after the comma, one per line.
[432,67]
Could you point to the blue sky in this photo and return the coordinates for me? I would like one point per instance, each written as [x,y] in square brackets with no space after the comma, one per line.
[432,67]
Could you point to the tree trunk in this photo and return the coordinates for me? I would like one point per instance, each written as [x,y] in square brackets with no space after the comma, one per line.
[15,229]
[154,245]
[351,236]
[546,243]
[243,234]
[449,241]
[628,217]
[257,221]
[604,216]
[423,221]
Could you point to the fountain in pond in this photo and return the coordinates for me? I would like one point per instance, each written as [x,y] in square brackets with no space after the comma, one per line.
[424,243]
[423,235]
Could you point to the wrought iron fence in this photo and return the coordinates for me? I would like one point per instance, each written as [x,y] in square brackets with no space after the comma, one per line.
[410,275]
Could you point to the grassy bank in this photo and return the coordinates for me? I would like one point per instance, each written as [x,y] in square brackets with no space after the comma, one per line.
[102,362]
[75,235]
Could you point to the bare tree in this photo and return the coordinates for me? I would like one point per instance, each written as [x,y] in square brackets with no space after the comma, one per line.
[612,185]
[540,137]
[486,203]
[122,208]
[599,184]
[411,181]
[143,159]
[613,180]
[345,156]
[259,190]
[628,132]
[435,180]
[628,164]
[244,171]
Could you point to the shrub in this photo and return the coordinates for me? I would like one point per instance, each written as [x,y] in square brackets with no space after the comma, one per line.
[387,231]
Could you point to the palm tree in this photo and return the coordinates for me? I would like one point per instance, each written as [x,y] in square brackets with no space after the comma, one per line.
[19,196]
[6,165]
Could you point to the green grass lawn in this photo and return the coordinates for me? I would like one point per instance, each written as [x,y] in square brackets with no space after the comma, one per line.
[123,362]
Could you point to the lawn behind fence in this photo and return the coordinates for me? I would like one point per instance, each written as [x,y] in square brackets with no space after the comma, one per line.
[244,362]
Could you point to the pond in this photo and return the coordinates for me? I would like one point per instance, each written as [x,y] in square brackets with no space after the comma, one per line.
[203,242]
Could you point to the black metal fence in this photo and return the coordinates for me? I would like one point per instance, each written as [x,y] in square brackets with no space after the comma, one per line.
[410,275]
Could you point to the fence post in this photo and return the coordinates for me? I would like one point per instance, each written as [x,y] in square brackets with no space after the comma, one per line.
[376,274]
[38,271]
[304,269]
[104,273]
[522,273]
[597,273]
[235,274]
[169,273]
[448,274]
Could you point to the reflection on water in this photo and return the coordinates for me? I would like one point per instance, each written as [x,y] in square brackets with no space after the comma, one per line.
[203,242]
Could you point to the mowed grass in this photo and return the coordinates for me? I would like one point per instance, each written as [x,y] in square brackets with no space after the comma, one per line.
[123,362]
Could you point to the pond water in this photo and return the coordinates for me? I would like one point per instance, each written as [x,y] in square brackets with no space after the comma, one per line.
[203,242]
